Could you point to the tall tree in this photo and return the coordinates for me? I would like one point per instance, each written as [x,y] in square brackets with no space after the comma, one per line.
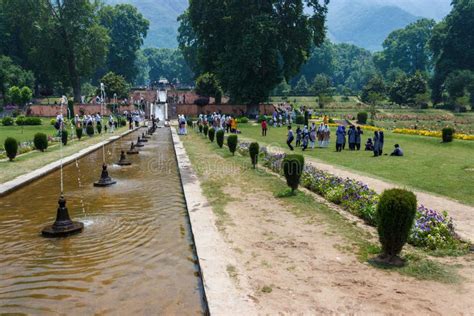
[452,45]
[79,42]
[127,29]
[251,45]
[13,75]
[407,48]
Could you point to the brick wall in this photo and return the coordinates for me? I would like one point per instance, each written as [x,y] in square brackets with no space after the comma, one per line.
[53,110]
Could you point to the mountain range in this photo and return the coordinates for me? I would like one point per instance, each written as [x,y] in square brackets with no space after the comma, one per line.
[365,23]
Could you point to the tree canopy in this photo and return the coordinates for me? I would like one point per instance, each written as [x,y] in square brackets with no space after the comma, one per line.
[251,45]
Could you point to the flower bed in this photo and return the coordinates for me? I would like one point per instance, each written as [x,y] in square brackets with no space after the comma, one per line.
[421,132]
[432,230]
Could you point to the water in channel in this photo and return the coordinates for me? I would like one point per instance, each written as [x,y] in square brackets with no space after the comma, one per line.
[135,255]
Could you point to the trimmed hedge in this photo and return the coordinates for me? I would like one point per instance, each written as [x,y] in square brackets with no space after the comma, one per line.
[220,138]
[41,141]
[299,120]
[29,120]
[254,149]
[11,147]
[211,133]
[200,128]
[7,121]
[293,169]
[64,135]
[99,127]
[242,120]
[205,130]
[362,117]
[79,132]
[232,143]
[448,134]
[90,130]
[395,213]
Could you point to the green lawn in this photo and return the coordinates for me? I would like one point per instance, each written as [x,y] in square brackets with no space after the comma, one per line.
[26,133]
[428,165]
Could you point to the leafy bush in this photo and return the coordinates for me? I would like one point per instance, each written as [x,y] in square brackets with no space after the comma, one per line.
[122,121]
[254,149]
[201,101]
[52,122]
[211,133]
[395,212]
[242,120]
[220,138]
[64,135]
[200,128]
[90,130]
[99,127]
[292,169]
[79,133]
[11,147]
[362,117]
[41,141]
[262,118]
[205,130]
[189,123]
[299,119]
[447,134]
[7,121]
[22,120]
[232,143]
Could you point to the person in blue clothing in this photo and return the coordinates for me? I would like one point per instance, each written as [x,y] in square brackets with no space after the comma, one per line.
[340,138]
[358,134]
[397,152]
[352,137]
[290,138]
[382,140]
[298,136]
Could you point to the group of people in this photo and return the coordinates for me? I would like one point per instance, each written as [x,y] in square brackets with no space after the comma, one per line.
[134,118]
[219,121]
[307,138]
[353,137]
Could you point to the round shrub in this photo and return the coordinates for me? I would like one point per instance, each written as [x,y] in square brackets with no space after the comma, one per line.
[90,130]
[205,130]
[232,143]
[211,133]
[262,118]
[299,119]
[189,123]
[79,132]
[99,128]
[52,122]
[220,138]
[7,121]
[395,214]
[253,151]
[292,169]
[11,147]
[41,141]
[243,120]
[64,135]
[122,121]
[447,134]
[362,117]
[200,128]
[20,120]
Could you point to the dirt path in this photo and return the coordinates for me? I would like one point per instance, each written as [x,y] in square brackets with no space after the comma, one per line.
[291,262]
[462,214]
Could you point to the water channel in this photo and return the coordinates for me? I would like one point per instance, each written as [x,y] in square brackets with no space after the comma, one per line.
[135,256]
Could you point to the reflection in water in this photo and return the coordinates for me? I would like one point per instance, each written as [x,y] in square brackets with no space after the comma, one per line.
[132,257]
